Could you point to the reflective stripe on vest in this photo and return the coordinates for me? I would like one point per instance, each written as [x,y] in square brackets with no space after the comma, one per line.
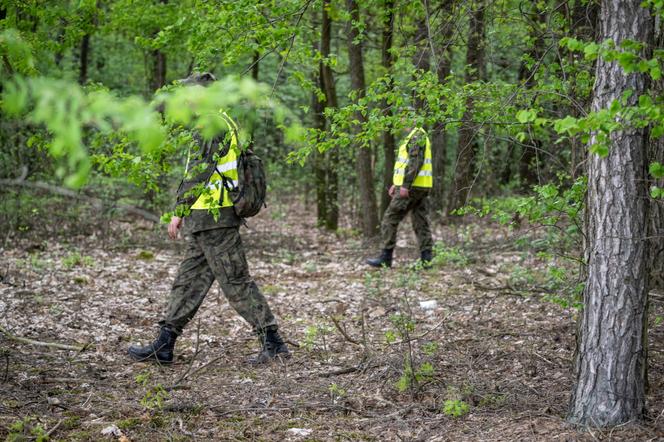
[424,177]
[226,168]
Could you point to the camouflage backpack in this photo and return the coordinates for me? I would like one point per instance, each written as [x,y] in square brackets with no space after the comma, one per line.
[249,195]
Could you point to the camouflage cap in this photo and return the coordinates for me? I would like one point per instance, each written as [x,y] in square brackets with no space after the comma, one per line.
[198,78]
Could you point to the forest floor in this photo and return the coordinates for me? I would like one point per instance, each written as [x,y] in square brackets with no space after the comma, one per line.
[472,349]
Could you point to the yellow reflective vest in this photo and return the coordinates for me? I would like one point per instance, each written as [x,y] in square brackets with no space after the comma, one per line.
[424,177]
[226,169]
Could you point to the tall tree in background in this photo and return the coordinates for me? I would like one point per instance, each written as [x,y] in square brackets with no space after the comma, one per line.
[363,163]
[583,25]
[439,133]
[157,65]
[536,19]
[330,91]
[611,361]
[464,171]
[389,143]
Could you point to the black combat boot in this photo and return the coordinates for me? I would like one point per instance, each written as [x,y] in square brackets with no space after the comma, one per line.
[425,257]
[273,346]
[385,259]
[161,350]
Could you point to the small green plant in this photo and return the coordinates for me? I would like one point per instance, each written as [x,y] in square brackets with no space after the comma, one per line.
[155,395]
[315,333]
[429,348]
[310,267]
[411,378]
[75,259]
[373,283]
[26,430]
[336,392]
[443,256]
[145,255]
[455,408]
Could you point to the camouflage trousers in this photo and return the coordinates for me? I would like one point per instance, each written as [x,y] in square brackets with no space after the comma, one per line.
[216,254]
[417,204]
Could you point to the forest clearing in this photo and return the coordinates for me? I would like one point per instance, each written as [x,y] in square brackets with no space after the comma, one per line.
[482,322]
[331,220]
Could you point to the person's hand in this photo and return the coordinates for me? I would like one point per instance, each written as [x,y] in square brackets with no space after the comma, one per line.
[174,226]
[403,192]
[391,191]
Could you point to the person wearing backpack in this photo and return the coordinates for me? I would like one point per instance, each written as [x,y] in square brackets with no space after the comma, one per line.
[411,182]
[233,187]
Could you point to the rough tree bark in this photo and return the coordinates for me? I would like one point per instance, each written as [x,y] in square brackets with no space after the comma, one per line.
[467,146]
[332,198]
[389,143]
[611,360]
[656,225]
[363,163]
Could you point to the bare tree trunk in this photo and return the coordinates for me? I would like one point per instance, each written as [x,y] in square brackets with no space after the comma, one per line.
[467,147]
[158,74]
[85,52]
[421,58]
[611,361]
[320,167]
[389,143]
[439,135]
[363,165]
[332,198]
[528,163]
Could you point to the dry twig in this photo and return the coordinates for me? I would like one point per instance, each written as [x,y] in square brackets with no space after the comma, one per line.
[42,343]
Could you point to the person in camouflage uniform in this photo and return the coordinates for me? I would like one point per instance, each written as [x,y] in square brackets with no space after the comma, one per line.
[213,251]
[410,188]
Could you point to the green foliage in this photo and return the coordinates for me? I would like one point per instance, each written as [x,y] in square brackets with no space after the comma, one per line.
[155,395]
[443,256]
[76,259]
[455,408]
[25,429]
[315,337]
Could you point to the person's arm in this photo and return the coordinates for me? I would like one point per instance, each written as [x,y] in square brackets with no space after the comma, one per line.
[415,160]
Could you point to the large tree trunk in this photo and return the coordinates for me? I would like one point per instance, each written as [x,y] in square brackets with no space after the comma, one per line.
[656,225]
[332,198]
[611,361]
[389,143]
[439,135]
[368,211]
[467,147]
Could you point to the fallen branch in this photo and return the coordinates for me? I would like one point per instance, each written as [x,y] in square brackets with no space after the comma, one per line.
[72,194]
[343,331]
[42,343]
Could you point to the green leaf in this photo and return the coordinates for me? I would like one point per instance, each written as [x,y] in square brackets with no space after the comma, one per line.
[526,116]
[657,170]
[599,149]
